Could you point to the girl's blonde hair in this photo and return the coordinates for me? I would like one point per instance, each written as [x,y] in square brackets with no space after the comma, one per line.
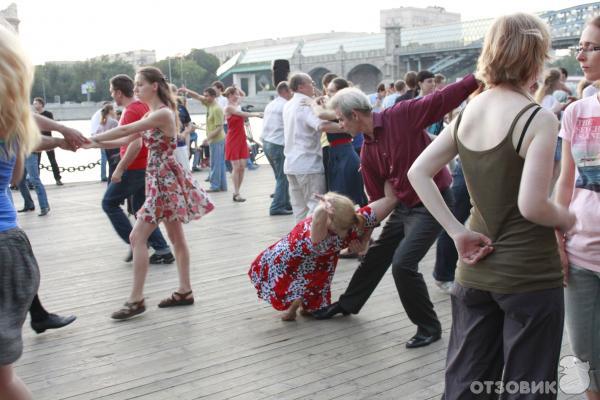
[17,127]
[344,215]
[514,50]
[551,78]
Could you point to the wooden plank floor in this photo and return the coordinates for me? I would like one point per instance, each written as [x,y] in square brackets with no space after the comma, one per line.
[228,345]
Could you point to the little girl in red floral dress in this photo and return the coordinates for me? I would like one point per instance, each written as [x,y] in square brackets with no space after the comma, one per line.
[298,269]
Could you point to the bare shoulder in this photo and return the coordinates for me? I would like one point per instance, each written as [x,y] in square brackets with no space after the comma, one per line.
[545,121]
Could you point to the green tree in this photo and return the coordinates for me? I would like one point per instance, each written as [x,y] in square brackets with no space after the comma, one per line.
[206,60]
[570,63]
[65,80]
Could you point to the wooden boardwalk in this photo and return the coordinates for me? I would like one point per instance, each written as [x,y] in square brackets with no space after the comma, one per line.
[226,346]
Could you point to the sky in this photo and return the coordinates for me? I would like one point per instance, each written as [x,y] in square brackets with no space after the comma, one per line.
[66,30]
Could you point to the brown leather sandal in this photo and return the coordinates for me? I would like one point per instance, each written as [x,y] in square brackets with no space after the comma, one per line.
[129,310]
[177,299]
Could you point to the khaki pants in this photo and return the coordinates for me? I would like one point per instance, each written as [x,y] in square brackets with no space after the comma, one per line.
[302,188]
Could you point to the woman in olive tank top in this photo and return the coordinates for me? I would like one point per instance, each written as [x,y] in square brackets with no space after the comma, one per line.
[507,303]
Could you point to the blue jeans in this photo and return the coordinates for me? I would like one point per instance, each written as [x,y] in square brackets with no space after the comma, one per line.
[446,254]
[132,185]
[31,169]
[582,302]
[281,198]
[103,162]
[218,177]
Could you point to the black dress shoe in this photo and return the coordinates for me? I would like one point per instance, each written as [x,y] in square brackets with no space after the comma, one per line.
[329,311]
[25,209]
[52,322]
[282,212]
[420,340]
[44,211]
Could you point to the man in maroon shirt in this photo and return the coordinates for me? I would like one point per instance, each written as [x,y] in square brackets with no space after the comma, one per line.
[394,138]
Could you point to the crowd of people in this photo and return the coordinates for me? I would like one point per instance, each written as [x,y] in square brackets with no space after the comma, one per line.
[421,158]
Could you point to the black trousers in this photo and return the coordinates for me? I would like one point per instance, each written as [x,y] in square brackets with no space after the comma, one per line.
[53,163]
[405,239]
[509,341]
[37,311]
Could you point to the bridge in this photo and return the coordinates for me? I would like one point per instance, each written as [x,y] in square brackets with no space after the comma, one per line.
[450,49]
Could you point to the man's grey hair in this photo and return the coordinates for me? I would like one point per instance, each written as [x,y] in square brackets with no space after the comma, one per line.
[350,99]
[298,79]
[282,87]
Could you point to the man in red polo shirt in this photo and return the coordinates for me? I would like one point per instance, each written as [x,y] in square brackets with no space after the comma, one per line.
[394,138]
[128,179]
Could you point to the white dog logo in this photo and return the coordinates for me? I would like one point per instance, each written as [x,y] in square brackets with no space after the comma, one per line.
[574,375]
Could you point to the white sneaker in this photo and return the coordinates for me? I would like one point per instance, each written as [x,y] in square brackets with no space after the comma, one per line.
[446,286]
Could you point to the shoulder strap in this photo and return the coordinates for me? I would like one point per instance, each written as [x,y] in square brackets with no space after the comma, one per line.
[527,126]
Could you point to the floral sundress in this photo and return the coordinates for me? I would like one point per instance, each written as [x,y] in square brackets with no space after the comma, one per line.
[295,268]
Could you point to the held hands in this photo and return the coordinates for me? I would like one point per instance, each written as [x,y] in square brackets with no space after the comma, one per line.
[472,246]
[74,138]
[63,144]
[91,144]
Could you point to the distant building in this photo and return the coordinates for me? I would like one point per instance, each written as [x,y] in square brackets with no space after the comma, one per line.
[412,17]
[137,58]
[226,51]
[9,18]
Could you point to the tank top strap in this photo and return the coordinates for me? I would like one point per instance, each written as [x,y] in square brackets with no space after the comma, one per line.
[518,117]
[526,127]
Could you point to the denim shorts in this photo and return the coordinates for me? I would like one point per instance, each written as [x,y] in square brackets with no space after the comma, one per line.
[582,302]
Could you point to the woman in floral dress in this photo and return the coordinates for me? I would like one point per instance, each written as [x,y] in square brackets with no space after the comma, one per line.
[298,269]
[172,196]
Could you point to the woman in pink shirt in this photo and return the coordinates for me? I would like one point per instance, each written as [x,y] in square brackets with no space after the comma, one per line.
[578,188]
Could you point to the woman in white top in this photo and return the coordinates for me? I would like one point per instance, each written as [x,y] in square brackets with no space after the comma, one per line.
[108,120]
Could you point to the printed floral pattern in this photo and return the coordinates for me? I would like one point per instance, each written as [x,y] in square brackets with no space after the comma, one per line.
[295,268]
[171,192]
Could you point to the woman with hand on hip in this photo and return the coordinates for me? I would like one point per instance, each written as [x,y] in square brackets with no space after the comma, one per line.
[507,302]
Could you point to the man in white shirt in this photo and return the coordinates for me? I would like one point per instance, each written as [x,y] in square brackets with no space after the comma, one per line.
[272,142]
[303,163]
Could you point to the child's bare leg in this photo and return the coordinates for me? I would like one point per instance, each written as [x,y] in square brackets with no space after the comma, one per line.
[290,314]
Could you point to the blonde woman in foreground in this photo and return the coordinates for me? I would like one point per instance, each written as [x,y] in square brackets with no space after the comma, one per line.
[507,304]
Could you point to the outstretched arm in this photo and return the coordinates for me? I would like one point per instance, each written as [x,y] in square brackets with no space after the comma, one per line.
[156,119]
[234,111]
[424,111]
[73,137]
[192,94]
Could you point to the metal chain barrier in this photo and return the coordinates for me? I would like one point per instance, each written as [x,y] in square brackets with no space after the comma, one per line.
[80,168]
